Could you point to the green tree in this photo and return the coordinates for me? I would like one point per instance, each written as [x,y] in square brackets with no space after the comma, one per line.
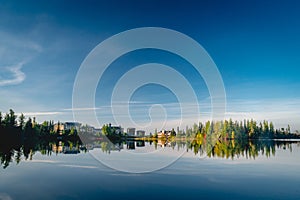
[21,121]
[44,128]
[33,122]
[232,135]
[207,127]
[252,129]
[73,131]
[6,120]
[0,119]
[28,130]
[58,132]
[225,129]
[272,131]
[12,118]
[106,130]
[173,133]
[211,128]
[265,128]
[195,128]
[246,126]
[260,129]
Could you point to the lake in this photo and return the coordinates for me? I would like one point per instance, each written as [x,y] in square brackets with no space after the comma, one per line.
[262,169]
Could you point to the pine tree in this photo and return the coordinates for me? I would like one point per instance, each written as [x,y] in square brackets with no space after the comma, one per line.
[12,118]
[0,119]
[21,121]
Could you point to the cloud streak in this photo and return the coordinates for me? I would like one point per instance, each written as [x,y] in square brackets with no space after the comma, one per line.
[80,109]
[43,161]
[41,113]
[80,166]
[17,76]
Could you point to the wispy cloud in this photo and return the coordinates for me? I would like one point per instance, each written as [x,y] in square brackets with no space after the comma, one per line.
[80,109]
[40,113]
[80,166]
[43,161]
[15,74]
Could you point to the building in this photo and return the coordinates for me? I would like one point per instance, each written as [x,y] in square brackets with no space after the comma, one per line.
[131,131]
[72,125]
[97,130]
[90,130]
[140,133]
[57,148]
[165,134]
[61,127]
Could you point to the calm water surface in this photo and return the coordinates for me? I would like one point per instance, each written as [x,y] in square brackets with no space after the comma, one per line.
[270,173]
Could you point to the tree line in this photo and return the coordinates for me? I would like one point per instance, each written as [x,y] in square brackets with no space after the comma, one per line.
[13,126]
[229,129]
[226,129]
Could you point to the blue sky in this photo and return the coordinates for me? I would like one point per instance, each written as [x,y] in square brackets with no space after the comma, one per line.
[255,45]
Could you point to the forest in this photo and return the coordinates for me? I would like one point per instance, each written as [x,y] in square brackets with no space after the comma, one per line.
[238,130]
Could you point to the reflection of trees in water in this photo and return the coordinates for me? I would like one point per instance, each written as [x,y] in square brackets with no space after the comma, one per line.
[239,148]
[220,148]
[107,146]
[229,148]
[13,149]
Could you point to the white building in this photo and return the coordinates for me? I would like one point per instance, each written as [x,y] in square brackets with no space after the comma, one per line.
[131,131]
[60,127]
[140,133]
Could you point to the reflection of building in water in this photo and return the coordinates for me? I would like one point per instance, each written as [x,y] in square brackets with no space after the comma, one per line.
[140,133]
[163,143]
[70,150]
[130,144]
[59,148]
[130,131]
[92,146]
[140,143]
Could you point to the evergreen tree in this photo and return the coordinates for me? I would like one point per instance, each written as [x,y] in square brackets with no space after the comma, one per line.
[265,129]
[21,121]
[288,129]
[12,118]
[271,129]
[28,131]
